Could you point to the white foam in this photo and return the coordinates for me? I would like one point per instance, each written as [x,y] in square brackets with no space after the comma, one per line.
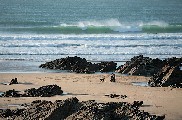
[109,22]
[116,25]
[157,23]
[46,47]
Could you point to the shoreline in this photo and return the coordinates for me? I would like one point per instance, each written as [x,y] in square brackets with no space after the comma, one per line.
[157,100]
[29,66]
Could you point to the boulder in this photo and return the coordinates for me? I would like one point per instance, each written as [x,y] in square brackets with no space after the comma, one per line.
[44,91]
[13,81]
[169,75]
[11,93]
[140,65]
[107,66]
[38,109]
[72,64]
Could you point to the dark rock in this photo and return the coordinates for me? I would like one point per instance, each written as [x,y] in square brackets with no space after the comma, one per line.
[113,95]
[13,81]
[107,66]
[137,104]
[164,72]
[71,109]
[11,93]
[7,113]
[169,75]
[44,91]
[79,65]
[110,111]
[116,96]
[73,64]
[140,65]
[48,110]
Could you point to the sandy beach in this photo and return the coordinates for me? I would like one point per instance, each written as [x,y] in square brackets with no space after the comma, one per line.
[59,51]
[157,100]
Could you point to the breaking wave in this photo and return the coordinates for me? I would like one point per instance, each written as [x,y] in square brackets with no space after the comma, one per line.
[111,26]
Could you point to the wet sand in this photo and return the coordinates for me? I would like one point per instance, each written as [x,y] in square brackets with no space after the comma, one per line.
[157,100]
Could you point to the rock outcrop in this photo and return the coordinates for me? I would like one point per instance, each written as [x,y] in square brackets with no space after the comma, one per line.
[44,91]
[169,75]
[10,114]
[11,93]
[107,66]
[72,109]
[140,65]
[164,73]
[79,65]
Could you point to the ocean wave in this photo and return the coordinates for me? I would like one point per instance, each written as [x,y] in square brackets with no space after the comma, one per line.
[40,45]
[98,48]
[112,26]
[80,54]
[162,29]
[133,46]
[48,37]
[84,45]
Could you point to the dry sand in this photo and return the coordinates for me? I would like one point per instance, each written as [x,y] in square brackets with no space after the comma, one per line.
[161,101]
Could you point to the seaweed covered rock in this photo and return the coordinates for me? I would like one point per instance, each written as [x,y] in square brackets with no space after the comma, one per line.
[11,93]
[79,65]
[92,110]
[72,109]
[38,109]
[73,64]
[107,66]
[44,91]
[116,96]
[140,65]
[169,75]
[67,63]
[9,114]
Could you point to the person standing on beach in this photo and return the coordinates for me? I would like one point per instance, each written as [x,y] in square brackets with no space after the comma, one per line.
[113,79]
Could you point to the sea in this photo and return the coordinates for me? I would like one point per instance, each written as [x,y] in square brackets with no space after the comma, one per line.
[33,32]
